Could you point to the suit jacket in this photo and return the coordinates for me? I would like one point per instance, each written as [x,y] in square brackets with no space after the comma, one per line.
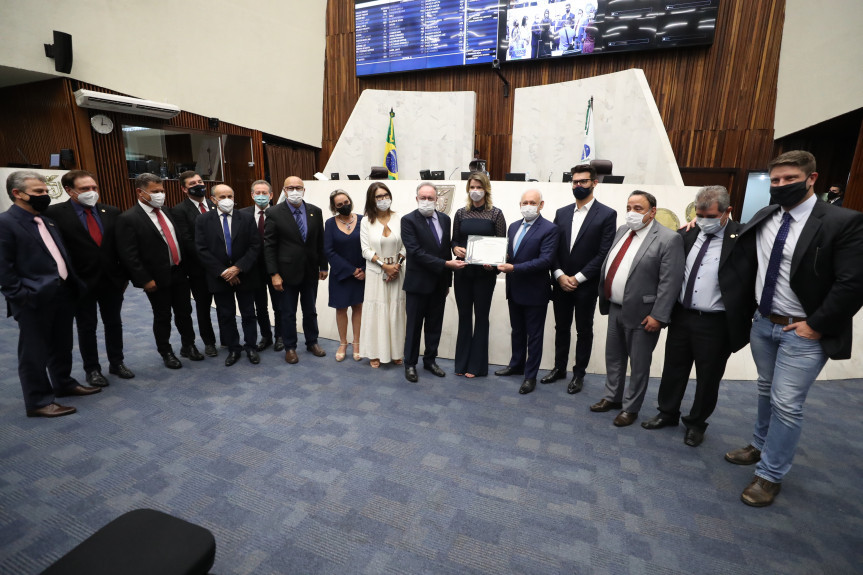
[425,264]
[262,263]
[284,249]
[185,215]
[92,262]
[654,280]
[213,254]
[592,243]
[735,289]
[826,270]
[528,283]
[28,271]
[143,251]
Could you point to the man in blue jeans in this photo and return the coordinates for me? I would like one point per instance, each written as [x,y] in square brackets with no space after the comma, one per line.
[804,257]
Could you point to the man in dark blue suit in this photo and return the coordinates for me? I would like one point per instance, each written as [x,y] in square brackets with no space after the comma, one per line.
[428,275]
[586,232]
[40,288]
[228,245]
[531,250]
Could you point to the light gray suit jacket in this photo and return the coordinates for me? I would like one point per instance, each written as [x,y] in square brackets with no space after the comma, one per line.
[654,280]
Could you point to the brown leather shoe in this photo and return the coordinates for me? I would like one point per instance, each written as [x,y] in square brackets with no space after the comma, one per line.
[316,350]
[291,356]
[760,492]
[51,410]
[625,418]
[744,456]
[604,405]
[77,390]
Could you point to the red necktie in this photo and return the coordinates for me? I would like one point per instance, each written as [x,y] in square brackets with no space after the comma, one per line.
[175,255]
[612,270]
[201,205]
[93,227]
[261,223]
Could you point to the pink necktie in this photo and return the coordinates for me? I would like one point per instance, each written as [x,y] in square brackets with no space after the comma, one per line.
[52,247]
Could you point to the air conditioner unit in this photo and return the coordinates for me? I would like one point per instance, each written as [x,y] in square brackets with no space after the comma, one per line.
[124,104]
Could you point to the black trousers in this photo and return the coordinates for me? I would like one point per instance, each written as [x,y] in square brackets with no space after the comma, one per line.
[474,288]
[528,327]
[702,339]
[307,293]
[173,297]
[226,313]
[45,349]
[424,313]
[109,299]
[581,302]
[203,305]
[263,313]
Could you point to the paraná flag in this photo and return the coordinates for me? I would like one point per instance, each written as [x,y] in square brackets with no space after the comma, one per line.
[588,149]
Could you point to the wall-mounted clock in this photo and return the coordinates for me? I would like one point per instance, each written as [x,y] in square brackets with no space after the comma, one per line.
[102,123]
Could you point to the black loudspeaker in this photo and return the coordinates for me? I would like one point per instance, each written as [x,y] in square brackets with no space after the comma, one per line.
[67,158]
[214,123]
[515,177]
[61,51]
[567,177]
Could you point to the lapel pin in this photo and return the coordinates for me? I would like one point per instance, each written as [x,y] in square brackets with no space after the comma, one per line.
[103,211]
[732,236]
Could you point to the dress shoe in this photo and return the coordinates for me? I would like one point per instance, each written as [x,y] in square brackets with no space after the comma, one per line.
[253,356]
[316,350]
[760,492]
[659,421]
[210,350]
[528,386]
[625,418]
[171,361]
[411,374]
[121,371]
[264,343]
[291,356]
[233,357]
[279,345]
[553,375]
[435,369]
[77,390]
[96,379]
[192,352]
[509,371]
[744,456]
[693,437]
[51,410]
[575,384]
[604,405]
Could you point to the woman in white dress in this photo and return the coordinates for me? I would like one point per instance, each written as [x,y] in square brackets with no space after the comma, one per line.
[383,327]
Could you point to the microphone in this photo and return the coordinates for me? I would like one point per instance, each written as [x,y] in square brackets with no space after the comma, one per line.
[550,174]
[454,171]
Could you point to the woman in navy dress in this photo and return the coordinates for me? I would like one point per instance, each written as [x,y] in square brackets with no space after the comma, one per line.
[347,269]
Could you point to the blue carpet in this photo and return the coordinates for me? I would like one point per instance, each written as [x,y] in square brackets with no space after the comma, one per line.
[325,467]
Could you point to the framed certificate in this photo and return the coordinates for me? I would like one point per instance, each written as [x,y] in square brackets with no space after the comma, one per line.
[486,250]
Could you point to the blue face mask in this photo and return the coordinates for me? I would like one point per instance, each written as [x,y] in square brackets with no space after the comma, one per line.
[262,200]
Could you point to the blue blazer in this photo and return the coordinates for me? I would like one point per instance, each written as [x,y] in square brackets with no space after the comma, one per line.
[594,239]
[425,267]
[529,282]
[213,254]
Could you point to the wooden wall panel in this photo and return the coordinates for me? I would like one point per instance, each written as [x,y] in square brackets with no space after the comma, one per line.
[283,162]
[854,190]
[717,102]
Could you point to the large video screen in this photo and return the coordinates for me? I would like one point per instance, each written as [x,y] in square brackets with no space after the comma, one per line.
[548,29]
[402,35]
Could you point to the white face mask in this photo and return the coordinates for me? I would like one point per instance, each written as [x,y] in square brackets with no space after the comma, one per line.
[634,221]
[477,195]
[157,199]
[88,199]
[384,205]
[226,205]
[709,225]
[426,207]
[295,197]
[529,213]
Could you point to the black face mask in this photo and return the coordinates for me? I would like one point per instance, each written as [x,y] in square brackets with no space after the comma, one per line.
[39,203]
[789,194]
[198,191]
[344,210]
[581,193]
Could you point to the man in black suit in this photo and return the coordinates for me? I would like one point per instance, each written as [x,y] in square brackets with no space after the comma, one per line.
[709,322]
[426,236]
[294,252]
[806,257]
[40,287]
[185,213]
[262,195]
[88,231]
[835,195]
[153,253]
[228,246]
[586,232]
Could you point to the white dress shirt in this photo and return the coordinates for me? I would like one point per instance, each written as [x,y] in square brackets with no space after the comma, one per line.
[705,294]
[618,286]
[149,210]
[578,217]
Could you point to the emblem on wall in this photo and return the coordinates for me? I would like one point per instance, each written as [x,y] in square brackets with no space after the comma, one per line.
[445,194]
[55,188]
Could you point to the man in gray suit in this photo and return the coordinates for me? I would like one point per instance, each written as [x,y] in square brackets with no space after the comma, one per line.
[639,283]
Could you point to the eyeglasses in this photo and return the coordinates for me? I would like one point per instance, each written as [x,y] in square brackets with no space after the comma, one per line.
[342,204]
[385,196]
[294,189]
[581,182]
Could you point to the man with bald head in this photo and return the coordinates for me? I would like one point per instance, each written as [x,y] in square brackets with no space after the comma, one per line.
[531,246]
[294,254]
[228,245]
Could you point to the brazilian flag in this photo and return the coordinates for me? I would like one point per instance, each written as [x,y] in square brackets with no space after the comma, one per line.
[390,159]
